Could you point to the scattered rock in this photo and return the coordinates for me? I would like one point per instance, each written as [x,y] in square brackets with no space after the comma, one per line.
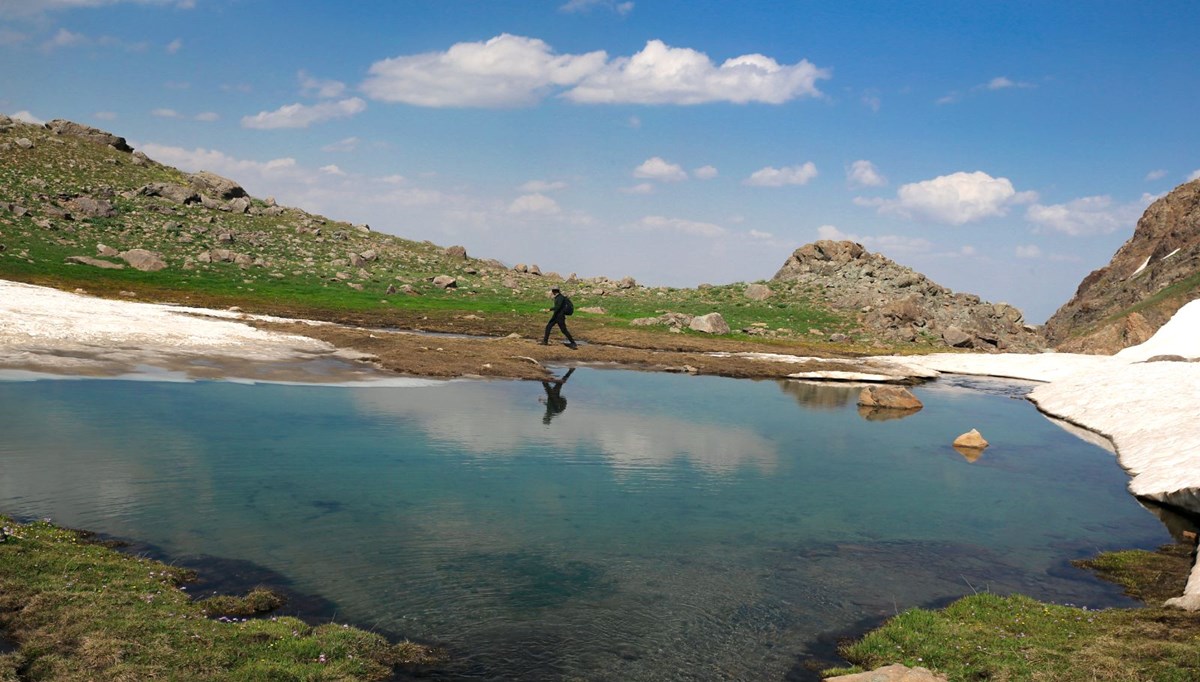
[891,397]
[535,270]
[24,143]
[141,259]
[758,292]
[594,309]
[370,255]
[957,338]
[445,282]
[1167,358]
[711,323]
[239,205]
[521,267]
[971,440]
[456,252]
[106,251]
[627,283]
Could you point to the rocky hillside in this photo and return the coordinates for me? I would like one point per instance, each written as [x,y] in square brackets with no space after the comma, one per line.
[901,304]
[1151,276]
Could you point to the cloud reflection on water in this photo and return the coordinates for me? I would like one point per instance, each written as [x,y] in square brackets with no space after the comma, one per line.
[483,426]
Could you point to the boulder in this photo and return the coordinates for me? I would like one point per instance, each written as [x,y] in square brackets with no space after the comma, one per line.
[239,205]
[445,282]
[216,186]
[627,283]
[957,338]
[370,255]
[106,251]
[24,143]
[892,673]
[535,270]
[95,262]
[88,207]
[971,440]
[711,323]
[521,267]
[141,259]
[171,192]
[891,397]
[71,129]
[595,310]
[758,292]
[456,252]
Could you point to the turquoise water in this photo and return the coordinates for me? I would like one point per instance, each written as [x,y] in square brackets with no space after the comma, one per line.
[636,526]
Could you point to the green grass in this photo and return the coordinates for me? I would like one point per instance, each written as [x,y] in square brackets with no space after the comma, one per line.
[81,611]
[991,637]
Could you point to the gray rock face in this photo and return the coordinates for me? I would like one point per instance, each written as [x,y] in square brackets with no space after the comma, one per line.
[216,186]
[711,323]
[141,259]
[71,129]
[1163,252]
[900,304]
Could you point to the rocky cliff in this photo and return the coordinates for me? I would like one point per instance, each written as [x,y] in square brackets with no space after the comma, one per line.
[901,304]
[1151,276]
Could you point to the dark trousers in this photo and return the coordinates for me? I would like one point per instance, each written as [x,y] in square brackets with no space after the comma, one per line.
[561,321]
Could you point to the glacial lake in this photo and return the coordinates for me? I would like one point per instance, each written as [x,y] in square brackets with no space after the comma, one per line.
[633,526]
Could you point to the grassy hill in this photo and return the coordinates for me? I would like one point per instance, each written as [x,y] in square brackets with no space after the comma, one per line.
[65,196]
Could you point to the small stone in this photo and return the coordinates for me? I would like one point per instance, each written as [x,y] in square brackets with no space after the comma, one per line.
[971,439]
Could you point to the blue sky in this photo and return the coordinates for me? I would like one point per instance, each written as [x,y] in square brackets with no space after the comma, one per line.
[1004,149]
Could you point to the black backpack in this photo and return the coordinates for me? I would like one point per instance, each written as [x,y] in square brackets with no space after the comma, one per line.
[568,307]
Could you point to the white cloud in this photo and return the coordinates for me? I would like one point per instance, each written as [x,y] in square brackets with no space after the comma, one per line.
[332,169]
[513,71]
[538,204]
[757,234]
[177,85]
[640,188]
[872,101]
[68,39]
[679,225]
[863,173]
[542,186]
[315,87]
[1156,175]
[245,172]
[1194,176]
[302,116]
[347,144]
[106,115]
[208,116]
[635,122]
[165,113]
[661,74]
[778,177]
[657,168]
[27,117]
[585,6]
[174,46]
[954,199]
[1088,215]
[1028,251]
[394,179]
[505,71]
[968,250]
[705,172]
[1003,83]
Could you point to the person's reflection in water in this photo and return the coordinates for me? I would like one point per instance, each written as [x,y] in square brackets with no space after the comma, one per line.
[555,403]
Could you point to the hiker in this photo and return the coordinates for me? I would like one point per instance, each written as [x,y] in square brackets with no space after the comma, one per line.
[562,308]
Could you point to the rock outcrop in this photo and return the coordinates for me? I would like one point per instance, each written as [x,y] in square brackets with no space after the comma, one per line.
[1150,277]
[71,129]
[901,304]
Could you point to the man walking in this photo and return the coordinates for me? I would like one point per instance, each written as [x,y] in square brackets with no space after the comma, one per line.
[562,308]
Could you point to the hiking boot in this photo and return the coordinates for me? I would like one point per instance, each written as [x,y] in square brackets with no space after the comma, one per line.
[572,345]
[543,343]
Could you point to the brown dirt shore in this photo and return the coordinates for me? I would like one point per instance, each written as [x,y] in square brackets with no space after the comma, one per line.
[474,353]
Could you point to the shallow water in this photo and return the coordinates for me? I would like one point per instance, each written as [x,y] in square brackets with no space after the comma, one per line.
[634,526]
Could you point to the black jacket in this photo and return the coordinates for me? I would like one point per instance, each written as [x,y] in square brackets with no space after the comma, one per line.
[559,302]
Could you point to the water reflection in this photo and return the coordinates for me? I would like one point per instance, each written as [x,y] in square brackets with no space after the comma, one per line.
[884,414]
[821,395]
[630,440]
[554,400]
